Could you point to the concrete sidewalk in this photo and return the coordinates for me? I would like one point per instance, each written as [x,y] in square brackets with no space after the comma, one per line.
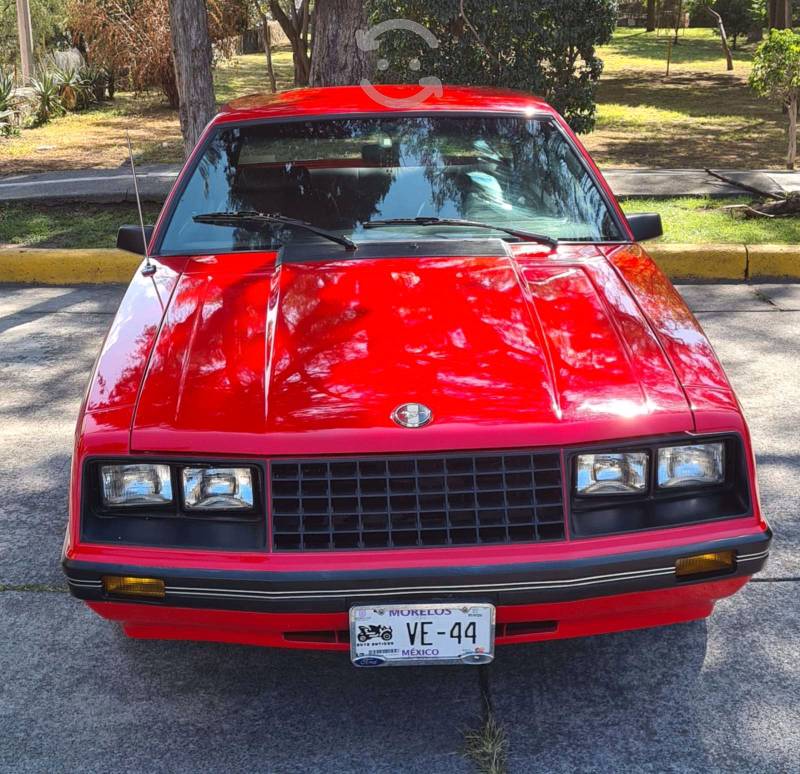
[116,185]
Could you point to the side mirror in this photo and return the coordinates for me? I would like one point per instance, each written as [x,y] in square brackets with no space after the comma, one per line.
[129,238]
[645,225]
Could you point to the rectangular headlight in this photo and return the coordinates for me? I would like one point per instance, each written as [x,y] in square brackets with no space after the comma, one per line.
[611,473]
[701,464]
[136,484]
[217,489]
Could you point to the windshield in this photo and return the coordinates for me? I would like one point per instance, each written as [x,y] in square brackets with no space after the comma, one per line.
[509,171]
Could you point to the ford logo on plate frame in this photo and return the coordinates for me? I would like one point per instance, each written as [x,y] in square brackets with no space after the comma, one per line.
[412,415]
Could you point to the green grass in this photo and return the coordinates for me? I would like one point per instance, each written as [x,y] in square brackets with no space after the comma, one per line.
[692,220]
[74,226]
[247,74]
[697,49]
[699,220]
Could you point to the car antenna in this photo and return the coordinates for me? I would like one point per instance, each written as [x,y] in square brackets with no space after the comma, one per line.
[149,269]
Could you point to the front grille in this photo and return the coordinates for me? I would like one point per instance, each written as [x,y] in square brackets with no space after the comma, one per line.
[409,502]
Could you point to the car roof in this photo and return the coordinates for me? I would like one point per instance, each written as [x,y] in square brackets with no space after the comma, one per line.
[339,100]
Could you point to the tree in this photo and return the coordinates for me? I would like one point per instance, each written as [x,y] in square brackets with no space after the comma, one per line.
[191,56]
[737,15]
[296,23]
[678,19]
[266,40]
[543,46]
[776,75]
[336,60]
[651,15]
[723,38]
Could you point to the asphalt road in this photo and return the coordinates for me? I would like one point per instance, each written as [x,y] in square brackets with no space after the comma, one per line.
[75,695]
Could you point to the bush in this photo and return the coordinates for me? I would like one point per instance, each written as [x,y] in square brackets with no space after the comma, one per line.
[541,46]
[134,38]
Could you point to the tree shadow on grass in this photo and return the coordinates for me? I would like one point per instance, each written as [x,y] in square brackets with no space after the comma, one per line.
[720,124]
[699,94]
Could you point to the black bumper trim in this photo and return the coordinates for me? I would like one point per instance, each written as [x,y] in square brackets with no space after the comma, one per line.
[501,584]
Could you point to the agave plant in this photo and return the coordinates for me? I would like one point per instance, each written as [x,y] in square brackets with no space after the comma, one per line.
[8,112]
[47,90]
[71,88]
[6,90]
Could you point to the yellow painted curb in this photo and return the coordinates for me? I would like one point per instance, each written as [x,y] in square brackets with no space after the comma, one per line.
[709,262]
[774,261]
[66,267]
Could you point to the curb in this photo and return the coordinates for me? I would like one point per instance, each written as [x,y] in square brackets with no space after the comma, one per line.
[679,262]
[66,267]
[773,261]
[704,262]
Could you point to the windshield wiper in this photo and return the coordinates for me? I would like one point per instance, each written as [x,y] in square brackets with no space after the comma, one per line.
[245,217]
[433,221]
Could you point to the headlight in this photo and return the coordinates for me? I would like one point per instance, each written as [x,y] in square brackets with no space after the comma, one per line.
[138,484]
[215,489]
[701,464]
[611,473]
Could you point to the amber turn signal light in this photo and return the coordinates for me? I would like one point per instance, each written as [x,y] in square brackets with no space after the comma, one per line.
[127,586]
[703,564]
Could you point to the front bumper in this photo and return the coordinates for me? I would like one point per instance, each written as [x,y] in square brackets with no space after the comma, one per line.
[568,598]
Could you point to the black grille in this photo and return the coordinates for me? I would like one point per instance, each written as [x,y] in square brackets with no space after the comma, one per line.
[408,502]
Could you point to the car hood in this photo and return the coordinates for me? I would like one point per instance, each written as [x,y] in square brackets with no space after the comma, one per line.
[313,356]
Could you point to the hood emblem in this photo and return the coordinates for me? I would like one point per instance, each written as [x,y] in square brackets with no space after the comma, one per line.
[412,415]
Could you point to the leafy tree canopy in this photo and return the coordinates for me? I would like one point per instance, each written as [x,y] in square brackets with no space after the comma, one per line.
[776,66]
[542,46]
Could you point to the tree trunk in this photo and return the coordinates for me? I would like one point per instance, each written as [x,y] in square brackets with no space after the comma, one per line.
[792,153]
[651,15]
[296,27]
[779,13]
[786,6]
[191,55]
[678,20]
[723,38]
[266,39]
[25,36]
[336,60]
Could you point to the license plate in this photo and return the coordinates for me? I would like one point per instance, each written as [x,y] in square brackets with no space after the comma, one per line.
[401,635]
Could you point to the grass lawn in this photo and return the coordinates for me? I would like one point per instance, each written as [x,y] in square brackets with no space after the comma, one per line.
[79,226]
[699,116]
[701,219]
[693,220]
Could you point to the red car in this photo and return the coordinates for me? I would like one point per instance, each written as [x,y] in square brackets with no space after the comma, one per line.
[403,383]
